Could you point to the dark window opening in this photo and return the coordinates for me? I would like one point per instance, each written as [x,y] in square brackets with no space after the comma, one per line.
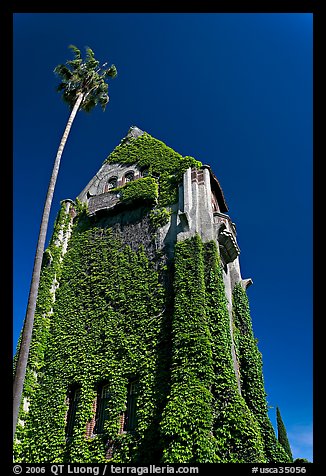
[130,419]
[144,172]
[103,397]
[73,399]
[112,183]
[129,177]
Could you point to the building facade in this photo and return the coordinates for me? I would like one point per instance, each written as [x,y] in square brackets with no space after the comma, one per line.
[143,350]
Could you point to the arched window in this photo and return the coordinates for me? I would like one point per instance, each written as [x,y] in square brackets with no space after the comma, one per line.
[73,399]
[130,419]
[129,176]
[144,171]
[111,183]
[103,397]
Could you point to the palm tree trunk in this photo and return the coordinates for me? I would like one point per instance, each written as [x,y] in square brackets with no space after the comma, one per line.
[31,306]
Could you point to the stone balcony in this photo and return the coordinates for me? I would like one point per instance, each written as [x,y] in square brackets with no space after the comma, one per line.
[226,233]
[104,201]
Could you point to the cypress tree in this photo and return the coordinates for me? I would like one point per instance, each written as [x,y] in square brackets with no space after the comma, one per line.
[282,435]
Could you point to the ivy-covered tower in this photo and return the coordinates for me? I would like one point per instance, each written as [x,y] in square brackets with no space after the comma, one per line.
[143,350]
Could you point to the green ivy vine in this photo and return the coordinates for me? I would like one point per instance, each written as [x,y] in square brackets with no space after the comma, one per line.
[144,189]
[237,434]
[160,216]
[188,417]
[160,161]
[110,323]
[252,381]
[50,276]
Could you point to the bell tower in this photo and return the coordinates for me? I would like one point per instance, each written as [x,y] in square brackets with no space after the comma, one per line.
[143,350]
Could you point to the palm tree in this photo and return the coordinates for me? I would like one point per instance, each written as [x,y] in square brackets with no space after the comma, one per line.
[83,86]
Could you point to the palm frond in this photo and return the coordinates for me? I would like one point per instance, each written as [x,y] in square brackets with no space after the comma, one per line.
[75,64]
[91,62]
[102,87]
[103,100]
[76,51]
[77,61]
[89,54]
[111,72]
[62,71]
[70,97]
[61,87]
[89,103]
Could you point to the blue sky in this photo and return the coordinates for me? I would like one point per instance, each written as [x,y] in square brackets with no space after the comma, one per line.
[232,90]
